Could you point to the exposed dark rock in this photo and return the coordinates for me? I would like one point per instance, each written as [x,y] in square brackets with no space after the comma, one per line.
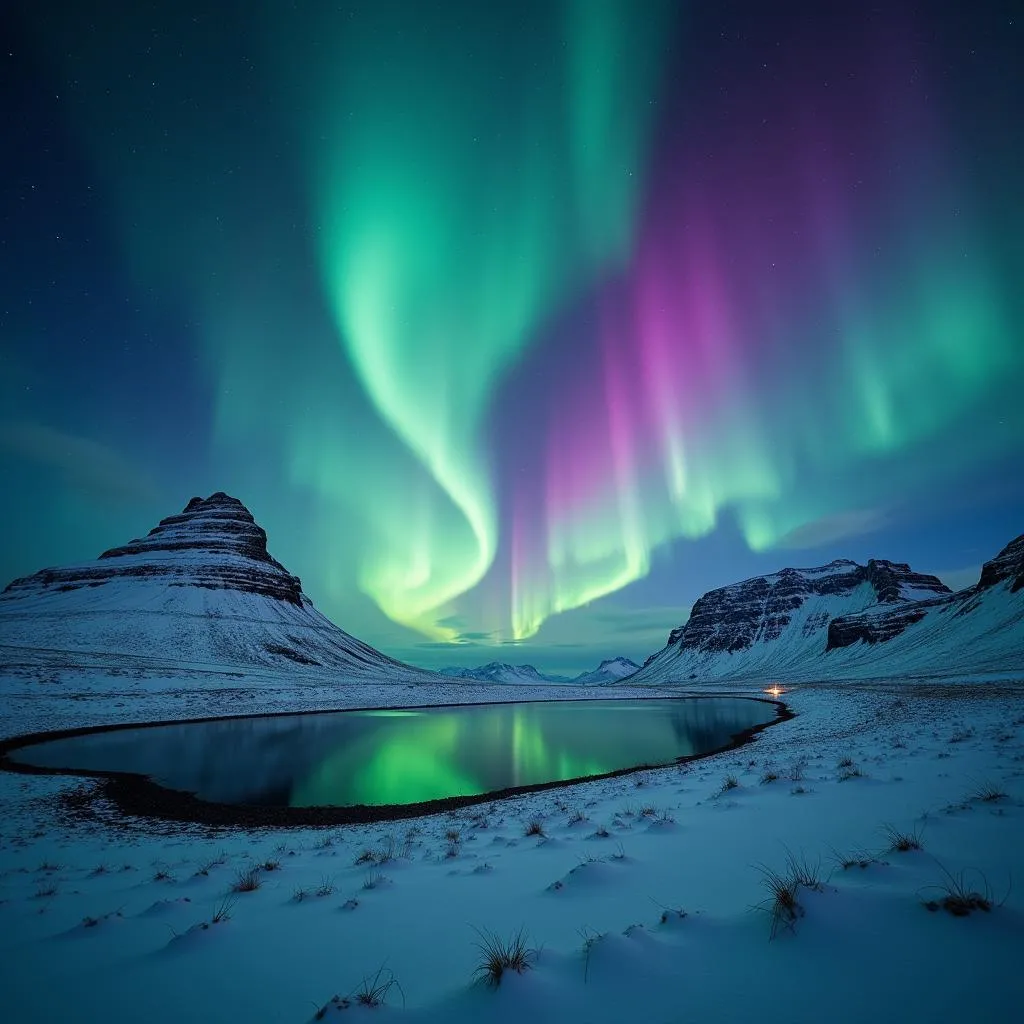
[1007,565]
[200,588]
[733,618]
[221,545]
[875,626]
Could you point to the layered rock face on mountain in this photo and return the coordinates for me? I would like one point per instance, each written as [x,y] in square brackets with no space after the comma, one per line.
[200,588]
[845,620]
[760,610]
[214,543]
[1002,575]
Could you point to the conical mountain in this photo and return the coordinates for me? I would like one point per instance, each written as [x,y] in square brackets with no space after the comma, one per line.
[199,589]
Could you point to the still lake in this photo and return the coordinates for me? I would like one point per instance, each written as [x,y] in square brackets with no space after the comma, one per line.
[347,758]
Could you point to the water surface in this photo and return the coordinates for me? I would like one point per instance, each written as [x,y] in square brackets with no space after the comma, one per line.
[348,758]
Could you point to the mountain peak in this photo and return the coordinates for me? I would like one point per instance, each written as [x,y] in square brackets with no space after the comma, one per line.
[217,525]
[1007,565]
[200,587]
[780,625]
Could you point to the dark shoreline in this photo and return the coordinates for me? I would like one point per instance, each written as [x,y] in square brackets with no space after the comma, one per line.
[138,796]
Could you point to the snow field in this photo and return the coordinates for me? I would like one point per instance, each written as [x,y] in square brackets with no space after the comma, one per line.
[644,896]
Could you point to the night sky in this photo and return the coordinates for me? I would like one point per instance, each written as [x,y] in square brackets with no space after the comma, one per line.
[519,325]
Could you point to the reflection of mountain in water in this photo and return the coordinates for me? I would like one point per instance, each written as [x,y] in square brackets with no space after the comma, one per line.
[709,724]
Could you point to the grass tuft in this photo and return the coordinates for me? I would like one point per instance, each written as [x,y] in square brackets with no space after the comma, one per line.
[222,909]
[781,905]
[535,827]
[988,792]
[902,842]
[374,991]
[769,776]
[803,872]
[855,859]
[248,879]
[729,782]
[958,897]
[499,955]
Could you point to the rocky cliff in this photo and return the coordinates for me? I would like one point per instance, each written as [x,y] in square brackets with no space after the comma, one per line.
[845,620]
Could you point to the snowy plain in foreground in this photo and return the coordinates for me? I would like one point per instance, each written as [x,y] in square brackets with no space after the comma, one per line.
[656,921]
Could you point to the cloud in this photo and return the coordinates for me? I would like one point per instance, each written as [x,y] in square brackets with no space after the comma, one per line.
[85,465]
[829,529]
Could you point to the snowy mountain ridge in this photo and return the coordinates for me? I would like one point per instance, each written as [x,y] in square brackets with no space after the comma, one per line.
[200,587]
[503,672]
[845,620]
[609,671]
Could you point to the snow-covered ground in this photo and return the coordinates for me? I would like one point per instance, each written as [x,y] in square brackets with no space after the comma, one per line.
[644,898]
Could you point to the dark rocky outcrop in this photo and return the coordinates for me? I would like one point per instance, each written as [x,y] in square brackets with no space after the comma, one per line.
[1007,565]
[845,620]
[200,588]
[214,543]
[878,625]
[761,609]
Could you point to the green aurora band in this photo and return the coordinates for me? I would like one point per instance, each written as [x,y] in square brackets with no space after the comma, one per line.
[468,192]
[808,329]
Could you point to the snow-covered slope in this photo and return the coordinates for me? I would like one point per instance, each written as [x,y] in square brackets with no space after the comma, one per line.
[611,670]
[200,589]
[502,672]
[844,620]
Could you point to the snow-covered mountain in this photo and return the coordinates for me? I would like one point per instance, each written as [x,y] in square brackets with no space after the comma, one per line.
[611,670]
[502,672]
[845,620]
[199,589]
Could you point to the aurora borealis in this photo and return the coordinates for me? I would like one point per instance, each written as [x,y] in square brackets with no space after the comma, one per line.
[516,323]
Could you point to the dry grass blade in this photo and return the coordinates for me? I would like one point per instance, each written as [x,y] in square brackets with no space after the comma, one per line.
[248,879]
[959,898]
[498,955]
[902,842]
[373,991]
[782,906]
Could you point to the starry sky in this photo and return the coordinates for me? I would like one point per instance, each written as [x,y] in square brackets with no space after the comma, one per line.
[518,326]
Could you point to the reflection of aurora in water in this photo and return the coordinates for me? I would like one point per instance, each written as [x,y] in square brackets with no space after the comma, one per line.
[409,756]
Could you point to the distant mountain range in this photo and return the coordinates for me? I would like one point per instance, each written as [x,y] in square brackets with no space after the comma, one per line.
[609,671]
[201,589]
[849,621]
